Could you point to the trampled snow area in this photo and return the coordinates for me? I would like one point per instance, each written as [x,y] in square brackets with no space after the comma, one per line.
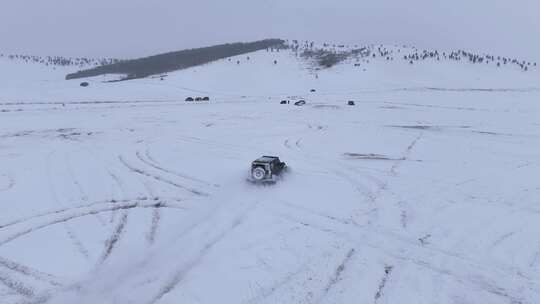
[426,191]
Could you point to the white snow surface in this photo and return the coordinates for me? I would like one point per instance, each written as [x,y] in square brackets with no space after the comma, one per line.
[425,191]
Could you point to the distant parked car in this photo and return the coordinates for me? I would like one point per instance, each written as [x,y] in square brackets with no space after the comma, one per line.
[351,103]
[84,84]
[198,98]
[283,102]
[313,91]
[206,98]
[189,99]
[300,103]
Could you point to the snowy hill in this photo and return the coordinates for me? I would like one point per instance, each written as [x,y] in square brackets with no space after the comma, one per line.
[259,76]
[423,192]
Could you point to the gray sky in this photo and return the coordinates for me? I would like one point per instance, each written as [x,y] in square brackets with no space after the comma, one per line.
[131,28]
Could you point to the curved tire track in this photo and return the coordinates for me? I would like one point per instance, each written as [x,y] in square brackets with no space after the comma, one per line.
[161,179]
[150,161]
[472,272]
[72,236]
[29,272]
[20,288]
[59,211]
[15,232]
[217,236]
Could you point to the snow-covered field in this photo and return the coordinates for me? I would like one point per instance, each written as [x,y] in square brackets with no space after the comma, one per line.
[426,191]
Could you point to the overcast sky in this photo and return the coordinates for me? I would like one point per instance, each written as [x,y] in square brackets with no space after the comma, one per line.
[132,28]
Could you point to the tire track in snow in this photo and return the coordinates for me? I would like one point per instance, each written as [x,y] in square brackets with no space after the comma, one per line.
[317,127]
[82,193]
[339,227]
[380,290]
[316,213]
[120,185]
[10,182]
[363,190]
[150,161]
[29,272]
[214,145]
[297,144]
[26,283]
[406,155]
[150,237]
[469,272]
[77,243]
[286,144]
[535,259]
[402,248]
[341,174]
[403,215]
[501,239]
[382,187]
[69,215]
[113,240]
[161,179]
[156,217]
[75,182]
[358,187]
[338,273]
[116,181]
[271,290]
[189,265]
[59,211]
[19,287]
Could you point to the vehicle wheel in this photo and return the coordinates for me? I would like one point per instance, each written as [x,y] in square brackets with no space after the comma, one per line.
[258,173]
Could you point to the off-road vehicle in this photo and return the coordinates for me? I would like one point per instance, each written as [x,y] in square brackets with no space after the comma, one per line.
[266,169]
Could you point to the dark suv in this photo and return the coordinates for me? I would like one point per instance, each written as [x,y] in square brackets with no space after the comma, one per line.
[267,169]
